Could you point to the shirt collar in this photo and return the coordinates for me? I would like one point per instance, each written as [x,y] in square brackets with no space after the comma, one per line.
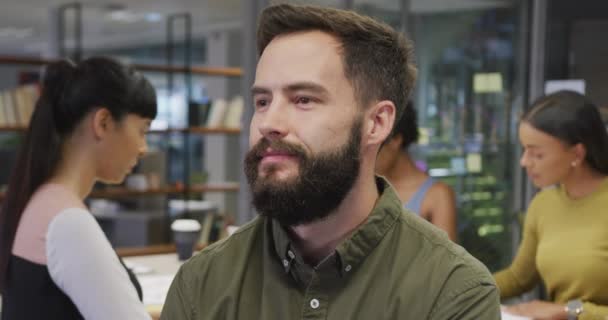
[352,251]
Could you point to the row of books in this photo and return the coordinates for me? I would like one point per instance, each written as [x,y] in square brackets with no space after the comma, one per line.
[17,105]
[218,113]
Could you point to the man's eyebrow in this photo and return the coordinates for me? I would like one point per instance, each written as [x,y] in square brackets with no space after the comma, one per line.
[307,86]
[259,90]
[298,86]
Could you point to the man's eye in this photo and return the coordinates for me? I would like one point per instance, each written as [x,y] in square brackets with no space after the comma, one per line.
[303,100]
[261,103]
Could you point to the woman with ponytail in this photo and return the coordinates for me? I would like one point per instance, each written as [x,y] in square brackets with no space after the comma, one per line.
[88,125]
[565,237]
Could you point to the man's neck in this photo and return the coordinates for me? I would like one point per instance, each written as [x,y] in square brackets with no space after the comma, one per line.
[319,239]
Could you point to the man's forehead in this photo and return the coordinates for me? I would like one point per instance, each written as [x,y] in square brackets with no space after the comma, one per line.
[300,58]
[302,49]
[311,37]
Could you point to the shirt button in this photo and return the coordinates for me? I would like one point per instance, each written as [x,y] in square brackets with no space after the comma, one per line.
[348,268]
[314,303]
[290,254]
[285,263]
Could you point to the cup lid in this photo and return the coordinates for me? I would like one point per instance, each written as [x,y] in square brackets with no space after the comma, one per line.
[185,225]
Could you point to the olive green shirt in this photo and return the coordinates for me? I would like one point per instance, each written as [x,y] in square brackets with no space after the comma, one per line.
[394,266]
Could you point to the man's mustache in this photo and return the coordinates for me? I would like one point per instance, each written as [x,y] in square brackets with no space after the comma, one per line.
[260,148]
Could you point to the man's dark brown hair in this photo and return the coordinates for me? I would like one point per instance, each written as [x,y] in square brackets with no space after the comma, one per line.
[377,60]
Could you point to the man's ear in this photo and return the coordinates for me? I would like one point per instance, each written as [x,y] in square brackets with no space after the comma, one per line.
[102,122]
[380,119]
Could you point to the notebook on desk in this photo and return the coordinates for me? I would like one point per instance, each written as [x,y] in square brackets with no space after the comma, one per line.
[508,316]
[155,288]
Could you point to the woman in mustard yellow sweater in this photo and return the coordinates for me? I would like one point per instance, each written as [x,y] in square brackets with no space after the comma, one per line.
[565,238]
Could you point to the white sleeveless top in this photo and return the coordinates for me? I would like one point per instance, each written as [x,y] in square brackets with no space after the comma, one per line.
[58,231]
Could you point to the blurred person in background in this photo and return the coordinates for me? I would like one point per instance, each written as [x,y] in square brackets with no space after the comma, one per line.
[432,200]
[88,125]
[565,237]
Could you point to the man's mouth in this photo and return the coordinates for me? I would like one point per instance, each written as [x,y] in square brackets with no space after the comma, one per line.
[275,156]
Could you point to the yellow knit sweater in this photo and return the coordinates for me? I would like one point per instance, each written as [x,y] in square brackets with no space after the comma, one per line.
[564,244]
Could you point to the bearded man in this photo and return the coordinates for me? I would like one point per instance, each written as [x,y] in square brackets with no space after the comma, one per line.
[332,240]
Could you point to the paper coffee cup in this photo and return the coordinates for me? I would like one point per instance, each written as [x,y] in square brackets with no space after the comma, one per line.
[186,233]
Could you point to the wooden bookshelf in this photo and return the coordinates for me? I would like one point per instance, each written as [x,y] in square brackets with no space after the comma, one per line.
[153,249]
[121,192]
[203,130]
[196,130]
[215,187]
[12,129]
[195,70]
[203,71]
[199,130]
[28,61]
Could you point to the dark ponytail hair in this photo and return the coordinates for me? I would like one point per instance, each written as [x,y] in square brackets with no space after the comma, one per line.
[572,118]
[69,93]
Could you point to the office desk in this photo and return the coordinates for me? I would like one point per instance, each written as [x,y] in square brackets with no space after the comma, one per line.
[155,273]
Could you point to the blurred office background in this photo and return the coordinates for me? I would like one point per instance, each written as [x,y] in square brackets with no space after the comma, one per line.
[480,63]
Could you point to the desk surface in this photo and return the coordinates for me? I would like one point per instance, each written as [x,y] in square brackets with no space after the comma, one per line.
[155,273]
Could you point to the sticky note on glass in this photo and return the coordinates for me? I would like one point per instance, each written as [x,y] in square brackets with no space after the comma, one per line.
[458,165]
[487,82]
[423,136]
[474,162]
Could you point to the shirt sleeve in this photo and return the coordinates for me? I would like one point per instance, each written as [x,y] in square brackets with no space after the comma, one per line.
[177,305]
[522,275]
[83,264]
[480,301]
[469,293]
[593,311]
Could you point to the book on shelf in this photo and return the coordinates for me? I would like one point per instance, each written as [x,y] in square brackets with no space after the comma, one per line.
[17,105]
[234,113]
[198,112]
[217,113]
[3,120]
[206,228]
[9,109]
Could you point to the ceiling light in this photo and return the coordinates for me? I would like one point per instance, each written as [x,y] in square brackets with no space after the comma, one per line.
[123,16]
[126,16]
[12,32]
[153,17]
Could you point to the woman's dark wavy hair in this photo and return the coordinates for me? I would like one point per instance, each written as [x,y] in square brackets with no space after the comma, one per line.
[69,92]
[407,127]
[572,118]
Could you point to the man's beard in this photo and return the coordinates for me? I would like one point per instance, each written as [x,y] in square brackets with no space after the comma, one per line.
[322,183]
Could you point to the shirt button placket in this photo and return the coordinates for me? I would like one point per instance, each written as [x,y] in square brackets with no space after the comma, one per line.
[315,301]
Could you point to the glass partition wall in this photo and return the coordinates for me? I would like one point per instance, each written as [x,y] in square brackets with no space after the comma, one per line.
[468,95]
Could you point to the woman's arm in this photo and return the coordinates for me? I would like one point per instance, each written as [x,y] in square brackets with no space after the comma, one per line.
[522,274]
[83,264]
[555,311]
[439,208]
